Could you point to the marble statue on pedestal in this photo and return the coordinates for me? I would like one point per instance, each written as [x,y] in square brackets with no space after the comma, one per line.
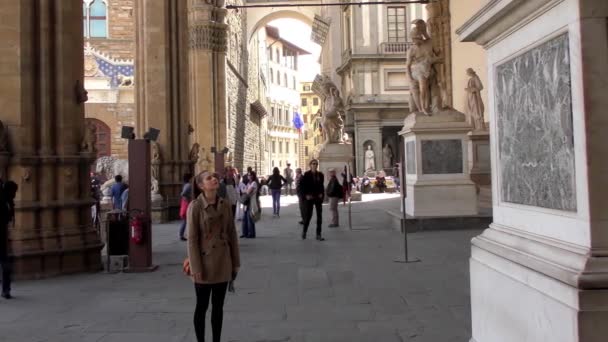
[90,138]
[474,105]
[370,163]
[332,112]
[426,95]
[387,154]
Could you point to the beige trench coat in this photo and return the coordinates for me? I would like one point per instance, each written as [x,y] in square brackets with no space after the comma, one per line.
[212,241]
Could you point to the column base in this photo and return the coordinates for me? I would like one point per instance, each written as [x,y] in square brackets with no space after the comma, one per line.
[527,288]
[38,265]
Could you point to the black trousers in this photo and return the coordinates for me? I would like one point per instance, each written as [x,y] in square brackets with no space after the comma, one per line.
[217,292]
[308,207]
[302,206]
[6,266]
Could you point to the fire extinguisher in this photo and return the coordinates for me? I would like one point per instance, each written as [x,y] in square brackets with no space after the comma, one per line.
[137,228]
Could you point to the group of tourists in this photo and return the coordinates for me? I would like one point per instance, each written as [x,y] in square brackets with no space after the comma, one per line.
[209,207]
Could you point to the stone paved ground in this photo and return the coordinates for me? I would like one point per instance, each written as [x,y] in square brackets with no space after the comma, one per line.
[344,289]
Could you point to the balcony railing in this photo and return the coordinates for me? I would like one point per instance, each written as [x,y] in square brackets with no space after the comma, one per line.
[393,48]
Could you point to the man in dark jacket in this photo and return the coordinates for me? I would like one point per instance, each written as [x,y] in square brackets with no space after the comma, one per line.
[314,192]
[8,190]
[335,193]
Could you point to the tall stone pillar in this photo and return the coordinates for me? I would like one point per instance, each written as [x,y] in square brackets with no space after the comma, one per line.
[50,151]
[540,272]
[207,62]
[162,95]
[439,28]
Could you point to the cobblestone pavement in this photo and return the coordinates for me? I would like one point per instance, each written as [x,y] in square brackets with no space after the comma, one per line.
[344,289]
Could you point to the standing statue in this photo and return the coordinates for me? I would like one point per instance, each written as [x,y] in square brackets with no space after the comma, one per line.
[193,156]
[370,163]
[421,59]
[90,138]
[3,138]
[474,107]
[387,154]
[332,112]
[156,160]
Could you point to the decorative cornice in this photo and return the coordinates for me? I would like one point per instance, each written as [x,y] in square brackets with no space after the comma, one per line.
[91,51]
[499,18]
[210,36]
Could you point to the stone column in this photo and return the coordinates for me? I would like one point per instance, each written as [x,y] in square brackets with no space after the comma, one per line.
[162,94]
[207,72]
[42,98]
[540,271]
[439,28]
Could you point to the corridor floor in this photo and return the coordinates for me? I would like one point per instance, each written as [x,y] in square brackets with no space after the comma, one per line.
[346,288]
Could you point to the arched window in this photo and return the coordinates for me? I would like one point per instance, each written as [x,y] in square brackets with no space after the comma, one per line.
[95,18]
[271,75]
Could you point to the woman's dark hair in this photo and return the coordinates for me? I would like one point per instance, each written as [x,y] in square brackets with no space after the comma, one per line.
[253,177]
[276,171]
[196,190]
[187,177]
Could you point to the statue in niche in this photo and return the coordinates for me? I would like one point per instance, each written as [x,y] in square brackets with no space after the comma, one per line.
[332,112]
[426,92]
[387,154]
[474,105]
[156,159]
[370,162]
[90,138]
[3,137]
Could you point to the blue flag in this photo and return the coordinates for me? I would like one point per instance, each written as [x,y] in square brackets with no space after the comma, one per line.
[297,121]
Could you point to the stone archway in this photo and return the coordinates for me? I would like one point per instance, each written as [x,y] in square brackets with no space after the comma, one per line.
[103,145]
[259,17]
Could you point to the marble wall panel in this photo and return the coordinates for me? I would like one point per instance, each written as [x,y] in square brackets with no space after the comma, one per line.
[410,155]
[441,156]
[535,133]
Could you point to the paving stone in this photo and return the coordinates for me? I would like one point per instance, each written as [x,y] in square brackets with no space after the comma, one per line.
[346,288]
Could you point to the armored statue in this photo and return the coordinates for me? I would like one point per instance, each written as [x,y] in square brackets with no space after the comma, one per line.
[156,159]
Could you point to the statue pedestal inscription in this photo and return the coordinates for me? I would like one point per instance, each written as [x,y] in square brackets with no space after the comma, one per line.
[437,175]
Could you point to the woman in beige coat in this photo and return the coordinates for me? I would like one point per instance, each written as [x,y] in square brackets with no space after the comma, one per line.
[213,251]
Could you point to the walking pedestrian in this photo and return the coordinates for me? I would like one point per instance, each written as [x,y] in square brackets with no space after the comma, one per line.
[313,190]
[241,190]
[300,194]
[184,201]
[117,189]
[251,204]
[213,252]
[288,173]
[275,183]
[8,190]
[334,193]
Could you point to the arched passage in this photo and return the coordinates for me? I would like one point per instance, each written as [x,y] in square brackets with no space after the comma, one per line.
[259,17]
[103,146]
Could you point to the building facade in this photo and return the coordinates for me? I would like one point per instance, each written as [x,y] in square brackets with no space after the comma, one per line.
[373,77]
[109,34]
[283,98]
[310,106]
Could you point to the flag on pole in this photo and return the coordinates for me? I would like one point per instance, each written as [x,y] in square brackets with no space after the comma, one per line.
[297,122]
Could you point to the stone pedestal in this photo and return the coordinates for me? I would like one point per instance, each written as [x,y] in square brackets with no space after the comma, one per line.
[540,272]
[335,156]
[479,160]
[437,176]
